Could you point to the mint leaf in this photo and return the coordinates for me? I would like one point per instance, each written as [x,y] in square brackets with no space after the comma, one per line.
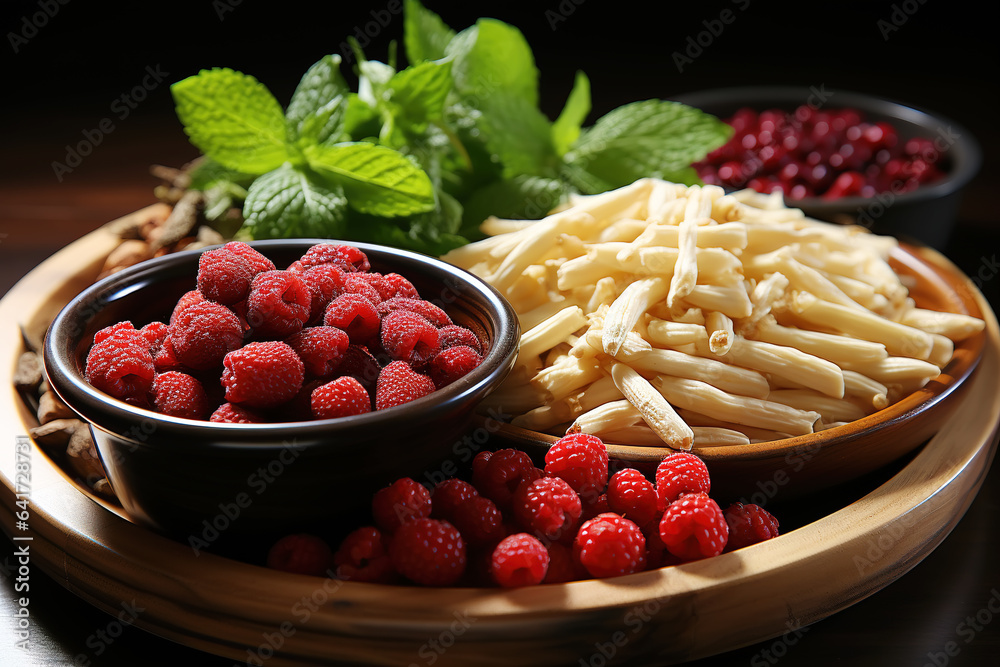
[376,179]
[417,94]
[521,197]
[360,119]
[290,202]
[316,110]
[208,173]
[233,119]
[491,57]
[518,134]
[566,129]
[651,138]
[425,35]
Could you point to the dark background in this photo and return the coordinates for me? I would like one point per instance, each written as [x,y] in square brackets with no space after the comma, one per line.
[65,79]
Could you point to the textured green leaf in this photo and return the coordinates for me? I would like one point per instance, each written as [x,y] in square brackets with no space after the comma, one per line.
[232,118]
[566,128]
[318,100]
[376,179]
[425,35]
[522,197]
[491,57]
[646,139]
[417,94]
[518,134]
[208,173]
[290,202]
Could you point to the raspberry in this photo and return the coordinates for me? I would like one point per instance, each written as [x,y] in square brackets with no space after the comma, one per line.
[320,348]
[120,365]
[359,283]
[224,276]
[680,473]
[562,566]
[479,464]
[448,495]
[342,397]
[257,262]
[580,459]
[549,508]
[363,556]
[519,560]
[408,337]
[188,298]
[453,335]
[278,304]
[180,395]
[594,504]
[204,333]
[230,413]
[398,384]
[300,553]
[402,501]
[505,471]
[355,315]
[429,552]
[479,521]
[359,363]
[165,358]
[694,527]
[451,364]
[348,258]
[392,285]
[262,374]
[155,333]
[748,524]
[325,283]
[425,309]
[609,546]
[633,496]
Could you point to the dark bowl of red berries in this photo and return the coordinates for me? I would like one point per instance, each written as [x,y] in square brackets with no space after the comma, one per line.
[843,156]
[256,388]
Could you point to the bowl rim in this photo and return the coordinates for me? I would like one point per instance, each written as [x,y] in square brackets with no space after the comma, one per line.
[64,336]
[967,153]
[959,368]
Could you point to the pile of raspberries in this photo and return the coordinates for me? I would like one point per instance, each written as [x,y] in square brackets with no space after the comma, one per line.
[515,524]
[325,338]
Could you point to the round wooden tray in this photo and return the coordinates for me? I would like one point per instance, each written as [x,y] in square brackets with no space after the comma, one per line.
[248,613]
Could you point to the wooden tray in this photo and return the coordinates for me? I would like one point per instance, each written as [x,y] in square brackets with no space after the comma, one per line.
[245,612]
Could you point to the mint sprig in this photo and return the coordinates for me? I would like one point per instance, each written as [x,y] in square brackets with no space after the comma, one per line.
[420,154]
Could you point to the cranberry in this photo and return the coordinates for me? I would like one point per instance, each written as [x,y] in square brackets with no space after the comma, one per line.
[848,183]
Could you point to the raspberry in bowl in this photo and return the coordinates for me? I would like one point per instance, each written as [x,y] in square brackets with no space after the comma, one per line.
[287,405]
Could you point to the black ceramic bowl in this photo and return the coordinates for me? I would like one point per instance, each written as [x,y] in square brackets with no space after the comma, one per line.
[198,481]
[926,214]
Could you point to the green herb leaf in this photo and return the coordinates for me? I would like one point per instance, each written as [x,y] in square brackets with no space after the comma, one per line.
[317,106]
[651,138]
[491,57]
[521,197]
[566,128]
[233,119]
[518,134]
[208,173]
[291,202]
[376,179]
[417,94]
[425,35]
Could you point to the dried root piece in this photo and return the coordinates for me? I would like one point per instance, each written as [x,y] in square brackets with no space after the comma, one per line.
[181,222]
[28,374]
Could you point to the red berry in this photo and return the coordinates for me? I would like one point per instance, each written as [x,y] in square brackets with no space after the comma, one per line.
[279,304]
[359,363]
[448,495]
[633,496]
[325,283]
[563,566]
[402,501]
[609,546]
[154,334]
[425,309]
[680,473]
[346,257]
[262,374]
[121,365]
[549,508]
[187,299]
[180,395]
[257,262]
[452,335]
[398,384]
[506,470]
[321,349]
[582,460]
[694,527]
[429,552]
[301,553]
[393,285]
[224,276]
[748,524]
[363,556]
[479,463]
[451,364]
[409,337]
[355,315]
[342,397]
[519,560]
[230,413]
[479,521]
[204,333]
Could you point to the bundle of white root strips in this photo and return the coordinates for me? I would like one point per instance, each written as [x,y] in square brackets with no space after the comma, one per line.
[661,313]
